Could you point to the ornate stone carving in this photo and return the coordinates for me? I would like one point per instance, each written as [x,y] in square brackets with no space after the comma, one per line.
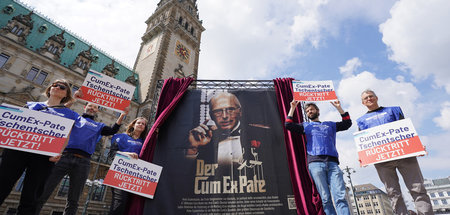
[83,61]
[110,69]
[43,28]
[54,46]
[8,9]
[179,72]
[19,27]
[59,38]
[131,80]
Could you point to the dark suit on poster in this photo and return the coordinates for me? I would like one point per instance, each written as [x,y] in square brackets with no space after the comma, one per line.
[230,144]
[257,135]
[253,143]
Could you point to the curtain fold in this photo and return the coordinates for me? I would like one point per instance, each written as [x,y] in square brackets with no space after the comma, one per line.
[307,198]
[171,93]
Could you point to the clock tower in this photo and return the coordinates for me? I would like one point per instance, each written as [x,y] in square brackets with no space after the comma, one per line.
[170,47]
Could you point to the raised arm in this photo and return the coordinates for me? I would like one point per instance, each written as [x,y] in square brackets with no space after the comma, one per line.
[106,130]
[289,123]
[346,122]
[337,105]
[294,105]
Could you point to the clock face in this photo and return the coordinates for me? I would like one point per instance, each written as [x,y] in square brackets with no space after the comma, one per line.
[182,52]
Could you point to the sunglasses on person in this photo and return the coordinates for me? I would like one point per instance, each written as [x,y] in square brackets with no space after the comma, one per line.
[61,86]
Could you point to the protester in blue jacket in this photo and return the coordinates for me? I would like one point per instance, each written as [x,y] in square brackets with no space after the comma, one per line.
[75,160]
[36,166]
[387,171]
[129,143]
[322,154]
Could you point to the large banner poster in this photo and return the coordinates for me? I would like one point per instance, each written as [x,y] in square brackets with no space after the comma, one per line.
[223,153]
[108,92]
[390,141]
[32,131]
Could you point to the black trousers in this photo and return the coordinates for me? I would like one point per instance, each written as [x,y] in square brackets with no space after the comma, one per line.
[118,202]
[37,168]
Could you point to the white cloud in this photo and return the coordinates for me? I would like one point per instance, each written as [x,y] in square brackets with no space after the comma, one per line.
[113,26]
[338,11]
[252,39]
[350,67]
[443,120]
[243,39]
[418,37]
[435,164]
[390,93]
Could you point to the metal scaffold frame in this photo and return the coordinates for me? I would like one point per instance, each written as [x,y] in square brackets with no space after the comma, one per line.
[216,84]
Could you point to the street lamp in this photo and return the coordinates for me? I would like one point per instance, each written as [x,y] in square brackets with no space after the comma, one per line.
[347,169]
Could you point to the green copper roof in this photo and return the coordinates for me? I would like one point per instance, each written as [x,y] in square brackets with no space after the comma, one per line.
[36,39]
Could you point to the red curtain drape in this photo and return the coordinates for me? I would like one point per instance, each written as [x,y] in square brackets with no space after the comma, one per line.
[306,196]
[171,93]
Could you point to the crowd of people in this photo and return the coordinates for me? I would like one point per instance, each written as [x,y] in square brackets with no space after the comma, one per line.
[44,173]
[323,161]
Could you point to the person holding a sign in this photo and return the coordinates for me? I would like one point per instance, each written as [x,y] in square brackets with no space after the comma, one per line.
[323,162]
[408,167]
[129,143]
[75,160]
[37,167]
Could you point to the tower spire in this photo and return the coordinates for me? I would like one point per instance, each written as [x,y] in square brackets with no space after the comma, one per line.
[170,42]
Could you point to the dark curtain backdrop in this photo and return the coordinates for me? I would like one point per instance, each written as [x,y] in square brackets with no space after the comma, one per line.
[306,196]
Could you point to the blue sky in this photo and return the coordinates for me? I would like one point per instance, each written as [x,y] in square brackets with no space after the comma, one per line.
[400,49]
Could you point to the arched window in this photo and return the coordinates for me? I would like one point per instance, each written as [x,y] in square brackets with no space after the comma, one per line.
[55,49]
[50,48]
[180,20]
[186,25]
[14,29]
[19,32]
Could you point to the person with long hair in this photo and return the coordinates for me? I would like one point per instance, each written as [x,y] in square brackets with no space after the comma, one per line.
[129,143]
[75,160]
[37,167]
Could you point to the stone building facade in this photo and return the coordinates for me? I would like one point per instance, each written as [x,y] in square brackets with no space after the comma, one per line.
[439,192]
[372,200]
[170,46]
[34,51]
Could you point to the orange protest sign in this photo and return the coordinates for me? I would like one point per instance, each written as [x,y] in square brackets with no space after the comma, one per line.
[108,92]
[314,90]
[32,131]
[133,175]
[391,141]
